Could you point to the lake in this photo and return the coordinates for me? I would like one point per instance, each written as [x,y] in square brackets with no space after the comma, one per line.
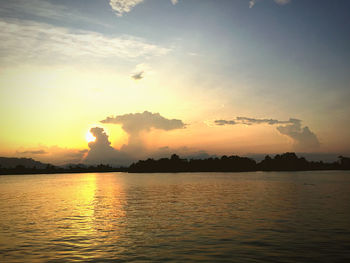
[207,217]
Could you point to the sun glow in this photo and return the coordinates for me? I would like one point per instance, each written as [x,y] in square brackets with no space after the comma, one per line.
[89,137]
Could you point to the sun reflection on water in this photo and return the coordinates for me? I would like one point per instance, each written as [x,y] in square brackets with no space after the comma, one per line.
[99,214]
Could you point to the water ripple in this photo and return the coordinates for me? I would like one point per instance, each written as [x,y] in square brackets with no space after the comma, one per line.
[230,217]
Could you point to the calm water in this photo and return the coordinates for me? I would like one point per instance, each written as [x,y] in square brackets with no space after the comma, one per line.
[234,217]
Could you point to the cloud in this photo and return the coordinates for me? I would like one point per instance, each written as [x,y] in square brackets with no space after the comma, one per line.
[26,40]
[123,6]
[138,75]
[252,3]
[282,2]
[136,123]
[101,150]
[250,121]
[225,122]
[38,8]
[33,152]
[303,138]
[45,10]
[140,71]
[53,154]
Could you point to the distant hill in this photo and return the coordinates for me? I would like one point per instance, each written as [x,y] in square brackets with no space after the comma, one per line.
[10,166]
[6,162]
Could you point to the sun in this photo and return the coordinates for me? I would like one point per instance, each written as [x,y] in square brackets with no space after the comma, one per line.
[89,137]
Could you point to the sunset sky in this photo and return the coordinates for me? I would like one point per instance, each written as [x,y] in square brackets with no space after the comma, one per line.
[153,77]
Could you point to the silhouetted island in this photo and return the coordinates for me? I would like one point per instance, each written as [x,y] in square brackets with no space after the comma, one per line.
[280,162]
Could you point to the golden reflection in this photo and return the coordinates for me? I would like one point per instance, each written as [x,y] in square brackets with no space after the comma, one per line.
[84,205]
[109,210]
[99,213]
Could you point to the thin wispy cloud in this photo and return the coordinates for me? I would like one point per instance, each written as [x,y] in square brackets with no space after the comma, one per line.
[45,11]
[33,152]
[252,3]
[282,2]
[251,121]
[53,154]
[37,8]
[25,40]
[225,122]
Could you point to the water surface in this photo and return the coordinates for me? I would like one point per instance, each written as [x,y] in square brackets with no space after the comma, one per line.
[232,217]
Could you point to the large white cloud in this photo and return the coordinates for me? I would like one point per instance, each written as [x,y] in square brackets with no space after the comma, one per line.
[134,124]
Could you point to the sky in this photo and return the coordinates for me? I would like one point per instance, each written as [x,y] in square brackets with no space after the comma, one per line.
[113,81]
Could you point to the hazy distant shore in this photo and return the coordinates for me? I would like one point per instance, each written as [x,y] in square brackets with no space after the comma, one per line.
[59,170]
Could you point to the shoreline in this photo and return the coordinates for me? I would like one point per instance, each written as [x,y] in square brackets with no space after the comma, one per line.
[163,172]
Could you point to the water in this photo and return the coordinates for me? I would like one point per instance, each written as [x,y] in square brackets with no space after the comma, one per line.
[232,217]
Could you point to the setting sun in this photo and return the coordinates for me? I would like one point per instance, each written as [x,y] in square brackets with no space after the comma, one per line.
[89,137]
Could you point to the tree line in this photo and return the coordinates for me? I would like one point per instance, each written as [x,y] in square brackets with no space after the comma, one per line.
[281,162]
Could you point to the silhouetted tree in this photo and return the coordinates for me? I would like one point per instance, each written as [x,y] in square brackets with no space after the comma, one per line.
[344,162]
